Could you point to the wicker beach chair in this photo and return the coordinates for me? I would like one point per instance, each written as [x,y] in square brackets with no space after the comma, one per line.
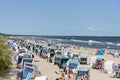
[27,72]
[26,60]
[81,71]
[72,64]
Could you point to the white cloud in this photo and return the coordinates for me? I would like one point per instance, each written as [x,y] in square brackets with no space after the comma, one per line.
[91,29]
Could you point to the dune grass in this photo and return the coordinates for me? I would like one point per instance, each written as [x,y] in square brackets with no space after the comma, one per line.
[5,56]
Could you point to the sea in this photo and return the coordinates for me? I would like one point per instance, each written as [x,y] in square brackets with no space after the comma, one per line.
[88,41]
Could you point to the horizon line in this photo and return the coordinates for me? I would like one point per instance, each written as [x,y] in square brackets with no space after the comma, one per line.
[58,35]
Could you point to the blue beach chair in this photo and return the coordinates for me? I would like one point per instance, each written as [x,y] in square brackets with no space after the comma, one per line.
[57,59]
[63,62]
[26,60]
[83,59]
[27,72]
[72,64]
[81,71]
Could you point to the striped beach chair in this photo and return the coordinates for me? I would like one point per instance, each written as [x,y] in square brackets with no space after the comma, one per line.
[29,60]
[27,72]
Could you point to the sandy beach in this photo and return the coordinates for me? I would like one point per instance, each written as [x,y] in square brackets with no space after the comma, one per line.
[48,69]
[81,37]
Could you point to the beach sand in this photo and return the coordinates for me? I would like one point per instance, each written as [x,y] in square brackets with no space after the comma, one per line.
[48,69]
[96,74]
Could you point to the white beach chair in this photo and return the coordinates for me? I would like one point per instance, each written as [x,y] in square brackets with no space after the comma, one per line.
[109,66]
[27,72]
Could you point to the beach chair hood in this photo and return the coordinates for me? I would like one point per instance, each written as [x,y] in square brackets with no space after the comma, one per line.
[73,64]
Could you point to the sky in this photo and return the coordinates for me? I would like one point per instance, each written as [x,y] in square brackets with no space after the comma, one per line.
[60,17]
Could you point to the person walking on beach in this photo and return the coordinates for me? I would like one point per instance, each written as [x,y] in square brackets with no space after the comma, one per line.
[102,67]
